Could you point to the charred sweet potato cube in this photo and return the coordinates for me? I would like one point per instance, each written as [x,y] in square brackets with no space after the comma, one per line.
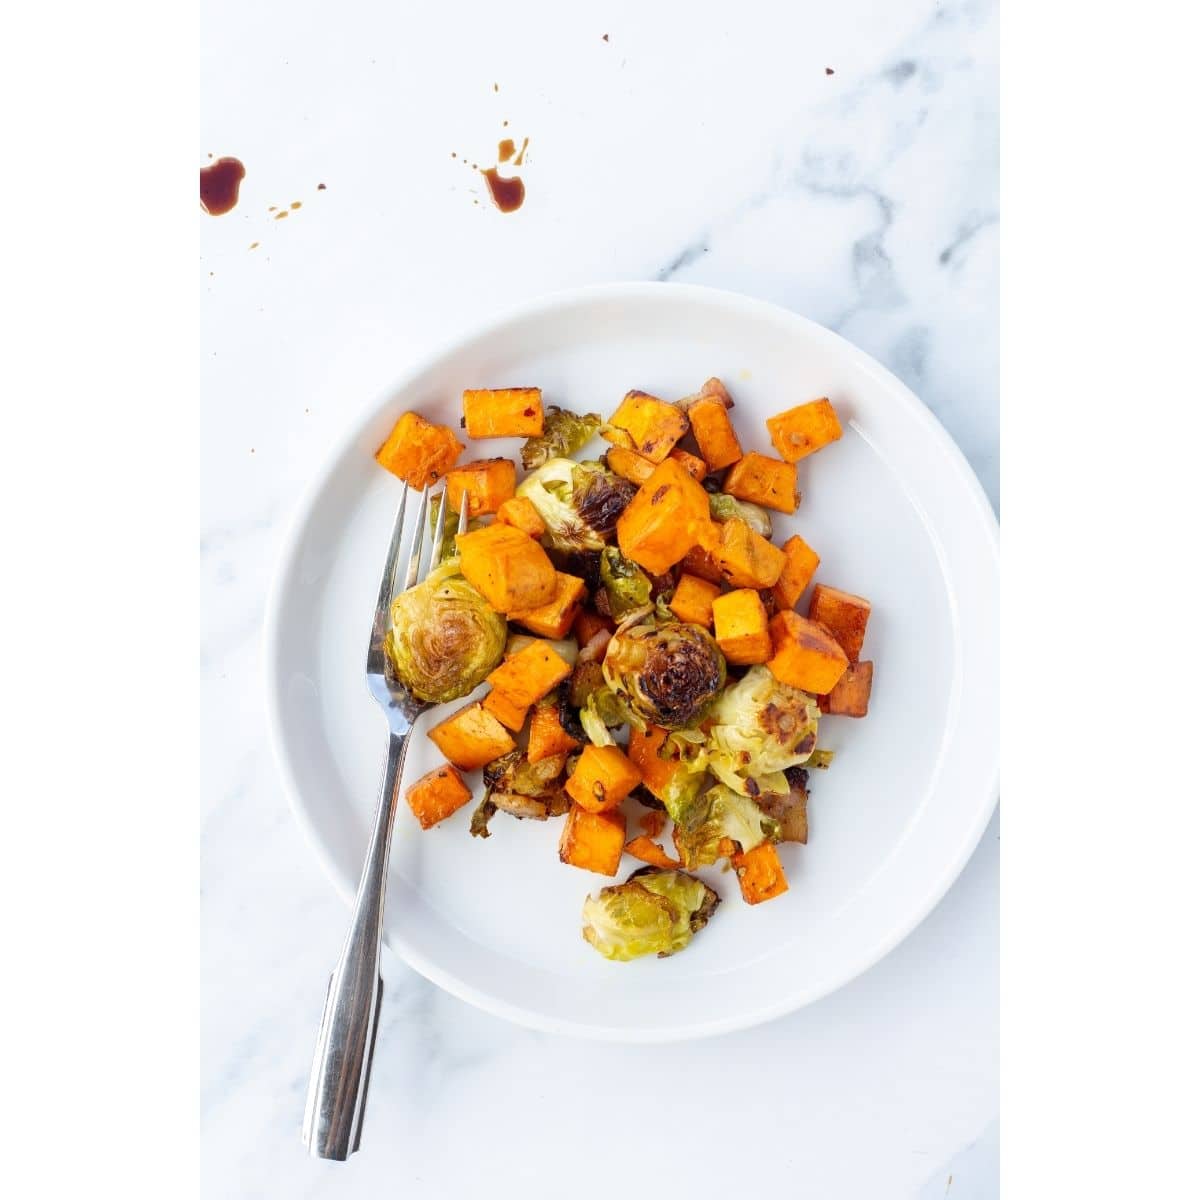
[746,559]
[763,480]
[844,614]
[693,600]
[800,565]
[592,841]
[647,425]
[803,430]
[418,452]
[629,465]
[437,795]
[547,737]
[714,433]
[518,511]
[507,567]
[588,623]
[699,561]
[851,695]
[603,777]
[554,620]
[648,851]
[665,519]
[805,654]
[502,412]
[471,737]
[694,466]
[645,752]
[530,673]
[760,873]
[486,484]
[506,710]
[740,621]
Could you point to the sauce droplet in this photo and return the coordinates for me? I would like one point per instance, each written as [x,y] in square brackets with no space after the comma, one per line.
[605,38]
[495,87]
[280,215]
[506,149]
[295,204]
[253,245]
[219,184]
[507,194]
[828,70]
[320,187]
[521,156]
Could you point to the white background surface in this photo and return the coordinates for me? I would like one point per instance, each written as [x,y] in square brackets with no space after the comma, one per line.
[701,143]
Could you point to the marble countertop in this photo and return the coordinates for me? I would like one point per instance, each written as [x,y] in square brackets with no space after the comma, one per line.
[839,160]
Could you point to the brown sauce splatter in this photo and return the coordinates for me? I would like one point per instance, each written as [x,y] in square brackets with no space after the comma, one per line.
[507,194]
[828,70]
[605,38]
[219,184]
[295,204]
[506,149]
[320,187]
[521,154]
[280,215]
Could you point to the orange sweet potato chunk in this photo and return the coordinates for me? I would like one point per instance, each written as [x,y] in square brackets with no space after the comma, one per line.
[665,519]
[693,600]
[694,466]
[437,795]
[629,465]
[592,841]
[699,561]
[503,412]
[645,748]
[647,425]
[800,565]
[851,695]
[760,873]
[518,511]
[530,673]
[648,851]
[588,623]
[740,621]
[714,432]
[844,614]
[418,452]
[805,654]
[471,738]
[554,620]
[603,777]
[486,484]
[506,710]
[803,430]
[509,569]
[746,559]
[763,480]
[547,737]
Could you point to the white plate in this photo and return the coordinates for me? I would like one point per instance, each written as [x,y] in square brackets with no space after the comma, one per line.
[896,515]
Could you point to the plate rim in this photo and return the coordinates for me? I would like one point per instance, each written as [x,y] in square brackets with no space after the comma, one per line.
[289,545]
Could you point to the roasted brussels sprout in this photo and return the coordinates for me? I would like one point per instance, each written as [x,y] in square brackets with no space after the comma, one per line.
[665,672]
[626,586]
[722,813]
[525,789]
[563,432]
[579,502]
[444,637]
[723,507]
[654,911]
[601,712]
[760,728]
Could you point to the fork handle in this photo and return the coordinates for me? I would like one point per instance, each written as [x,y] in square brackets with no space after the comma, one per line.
[337,1088]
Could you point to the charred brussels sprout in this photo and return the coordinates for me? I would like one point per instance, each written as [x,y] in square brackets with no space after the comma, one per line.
[525,789]
[579,502]
[665,672]
[625,584]
[444,638]
[723,507]
[722,813]
[653,912]
[563,432]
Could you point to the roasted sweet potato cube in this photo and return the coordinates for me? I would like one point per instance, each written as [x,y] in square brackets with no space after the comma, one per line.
[693,600]
[844,614]
[486,484]
[740,621]
[648,851]
[509,569]
[800,565]
[665,519]
[603,777]
[547,737]
[746,559]
[760,873]
[714,433]
[645,752]
[652,823]
[649,426]
[418,452]
[851,695]
[804,429]
[506,710]
[518,511]
[554,620]
[502,412]
[471,738]
[694,466]
[700,562]
[805,654]
[437,795]
[629,465]
[763,480]
[530,673]
[588,623]
[592,841]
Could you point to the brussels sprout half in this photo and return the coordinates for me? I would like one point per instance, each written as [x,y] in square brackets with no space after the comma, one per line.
[654,911]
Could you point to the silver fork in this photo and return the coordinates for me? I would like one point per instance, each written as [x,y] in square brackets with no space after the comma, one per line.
[337,1090]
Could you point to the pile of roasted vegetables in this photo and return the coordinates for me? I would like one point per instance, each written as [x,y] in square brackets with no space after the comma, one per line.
[639,592]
